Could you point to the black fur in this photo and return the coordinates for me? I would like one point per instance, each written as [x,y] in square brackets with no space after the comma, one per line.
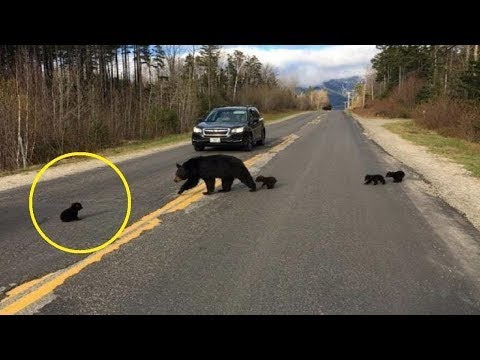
[208,168]
[266,180]
[374,178]
[71,214]
[396,175]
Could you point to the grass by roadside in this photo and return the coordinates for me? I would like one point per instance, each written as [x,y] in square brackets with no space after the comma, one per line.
[461,151]
[139,145]
[172,139]
[129,147]
[268,117]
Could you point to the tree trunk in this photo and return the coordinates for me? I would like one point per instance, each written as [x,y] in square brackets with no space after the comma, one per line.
[399,77]
[209,89]
[79,69]
[25,152]
[20,147]
[364,94]
[117,77]
[235,88]
[445,82]
[125,63]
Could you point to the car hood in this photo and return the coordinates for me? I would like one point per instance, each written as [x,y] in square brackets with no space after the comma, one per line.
[205,125]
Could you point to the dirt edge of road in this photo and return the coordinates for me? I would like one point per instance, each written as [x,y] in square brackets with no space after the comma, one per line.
[450,181]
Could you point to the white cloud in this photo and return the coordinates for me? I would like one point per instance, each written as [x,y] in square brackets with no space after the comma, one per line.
[313,65]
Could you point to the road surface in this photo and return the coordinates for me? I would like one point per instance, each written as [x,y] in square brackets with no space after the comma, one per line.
[321,242]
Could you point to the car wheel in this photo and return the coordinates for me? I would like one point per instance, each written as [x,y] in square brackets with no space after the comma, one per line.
[249,143]
[262,139]
[198,147]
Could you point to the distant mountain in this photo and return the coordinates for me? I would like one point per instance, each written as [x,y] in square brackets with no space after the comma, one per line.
[337,90]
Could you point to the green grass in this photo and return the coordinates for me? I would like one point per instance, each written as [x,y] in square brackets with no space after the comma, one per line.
[461,151]
[138,145]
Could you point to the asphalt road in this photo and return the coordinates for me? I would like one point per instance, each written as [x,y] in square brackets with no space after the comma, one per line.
[24,255]
[321,242]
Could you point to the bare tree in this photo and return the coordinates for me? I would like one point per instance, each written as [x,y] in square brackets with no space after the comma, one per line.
[239,62]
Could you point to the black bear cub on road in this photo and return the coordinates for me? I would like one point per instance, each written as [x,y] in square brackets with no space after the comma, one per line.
[396,175]
[374,178]
[71,214]
[208,168]
[266,180]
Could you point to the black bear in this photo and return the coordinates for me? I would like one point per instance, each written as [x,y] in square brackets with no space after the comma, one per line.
[374,178]
[266,180]
[210,167]
[396,175]
[71,214]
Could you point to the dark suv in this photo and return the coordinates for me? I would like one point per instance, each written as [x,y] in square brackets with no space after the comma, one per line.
[233,125]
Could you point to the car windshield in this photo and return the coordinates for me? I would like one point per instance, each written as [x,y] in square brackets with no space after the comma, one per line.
[227,115]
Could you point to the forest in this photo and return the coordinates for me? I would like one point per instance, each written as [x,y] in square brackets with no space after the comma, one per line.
[56,99]
[436,85]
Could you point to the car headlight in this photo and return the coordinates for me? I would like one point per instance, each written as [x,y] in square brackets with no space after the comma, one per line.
[197,130]
[237,130]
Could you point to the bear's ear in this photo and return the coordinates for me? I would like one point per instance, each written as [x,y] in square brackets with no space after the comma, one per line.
[179,166]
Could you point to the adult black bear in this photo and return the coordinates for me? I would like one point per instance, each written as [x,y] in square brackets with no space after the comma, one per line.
[396,175]
[71,214]
[207,168]
[374,178]
[266,180]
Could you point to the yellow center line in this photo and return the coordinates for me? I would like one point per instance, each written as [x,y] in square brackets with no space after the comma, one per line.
[24,295]
[25,286]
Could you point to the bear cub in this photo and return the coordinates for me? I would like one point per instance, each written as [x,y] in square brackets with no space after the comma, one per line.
[266,180]
[375,178]
[396,175]
[71,214]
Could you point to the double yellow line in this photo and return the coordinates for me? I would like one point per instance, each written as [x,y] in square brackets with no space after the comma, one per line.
[20,298]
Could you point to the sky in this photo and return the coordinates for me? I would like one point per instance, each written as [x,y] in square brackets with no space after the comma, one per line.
[312,64]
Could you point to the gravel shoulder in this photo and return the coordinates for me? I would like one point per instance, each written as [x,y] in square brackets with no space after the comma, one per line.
[450,181]
[74,167]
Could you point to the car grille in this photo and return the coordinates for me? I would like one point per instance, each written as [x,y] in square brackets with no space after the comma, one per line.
[216,132]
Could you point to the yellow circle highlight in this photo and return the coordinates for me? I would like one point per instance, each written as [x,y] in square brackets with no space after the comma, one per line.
[63,248]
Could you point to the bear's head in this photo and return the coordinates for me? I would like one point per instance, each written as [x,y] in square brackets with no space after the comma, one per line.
[77,206]
[181,174]
[259,178]
[389,174]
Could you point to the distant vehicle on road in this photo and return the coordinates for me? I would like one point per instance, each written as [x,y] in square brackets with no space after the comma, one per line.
[230,126]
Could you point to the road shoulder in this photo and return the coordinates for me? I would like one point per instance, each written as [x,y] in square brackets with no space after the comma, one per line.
[450,180]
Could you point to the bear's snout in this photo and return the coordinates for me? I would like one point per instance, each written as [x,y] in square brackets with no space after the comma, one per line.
[177,179]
